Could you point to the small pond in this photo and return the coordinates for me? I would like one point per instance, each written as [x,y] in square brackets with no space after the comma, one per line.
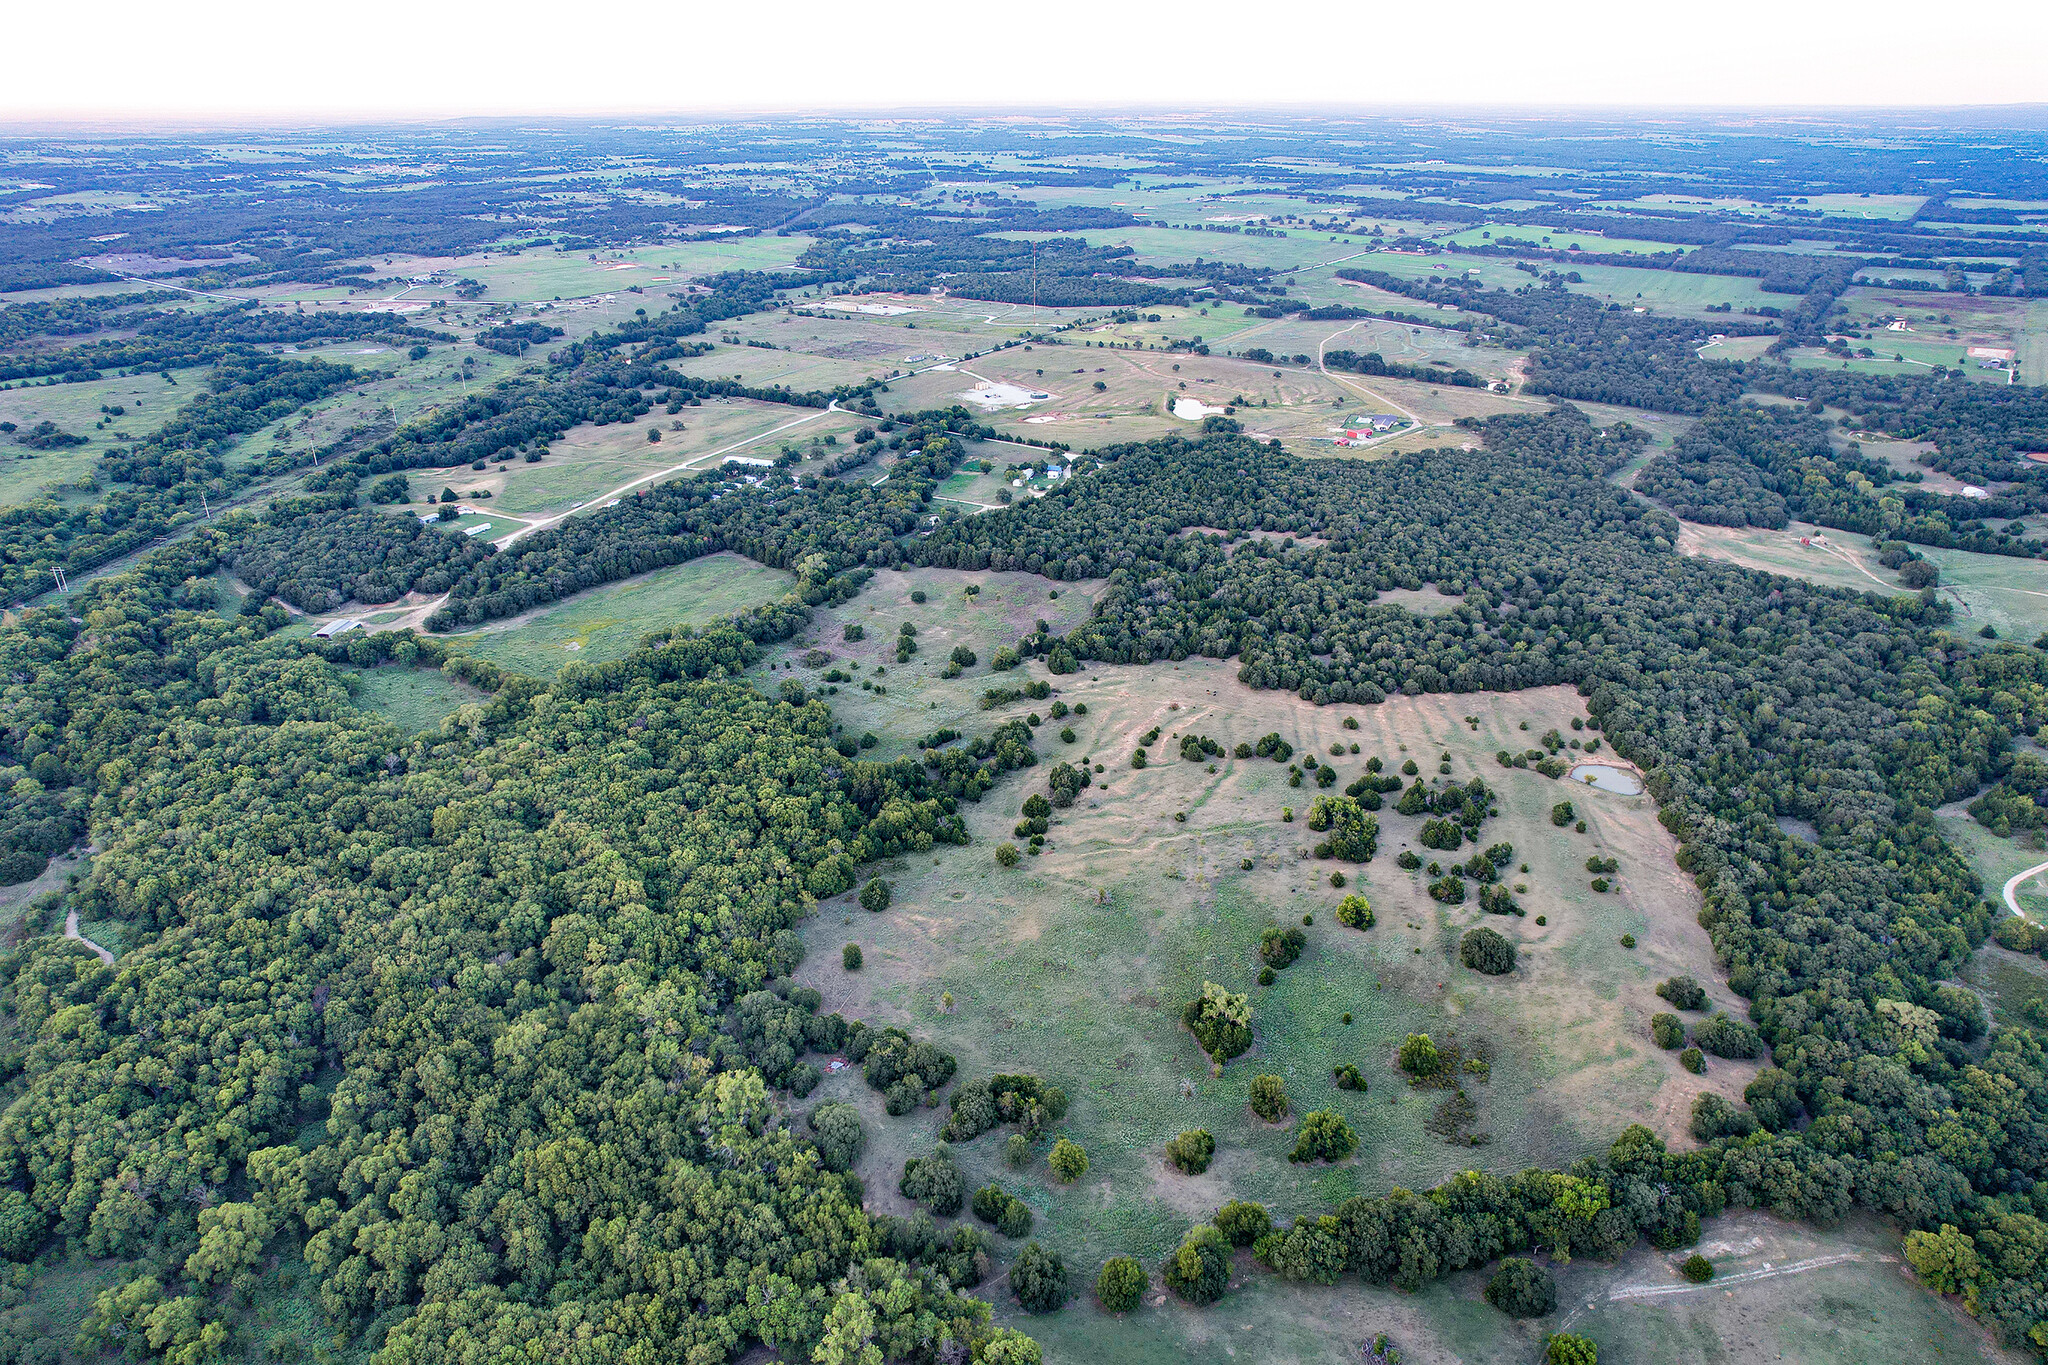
[1608,778]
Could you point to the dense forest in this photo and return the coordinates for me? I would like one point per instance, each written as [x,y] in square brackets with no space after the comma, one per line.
[1747,465]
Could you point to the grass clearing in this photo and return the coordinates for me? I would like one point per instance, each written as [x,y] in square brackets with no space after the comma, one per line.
[607,622]
[1300,405]
[27,474]
[2008,594]
[413,699]
[591,461]
[1075,964]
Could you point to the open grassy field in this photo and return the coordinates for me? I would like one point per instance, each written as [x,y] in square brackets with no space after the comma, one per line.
[2008,594]
[413,699]
[1075,964]
[1852,563]
[1782,1293]
[1287,402]
[607,622]
[1996,859]
[1482,234]
[1666,291]
[1177,246]
[545,274]
[26,473]
[1405,343]
[592,460]
[1942,326]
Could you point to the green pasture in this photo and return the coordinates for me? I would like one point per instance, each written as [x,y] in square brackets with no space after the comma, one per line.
[608,622]
[1076,963]
[1483,234]
[75,408]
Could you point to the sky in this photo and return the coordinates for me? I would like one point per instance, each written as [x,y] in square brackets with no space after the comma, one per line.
[124,61]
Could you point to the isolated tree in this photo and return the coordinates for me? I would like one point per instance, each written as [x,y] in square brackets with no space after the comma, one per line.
[1191,1152]
[1522,1289]
[1567,1348]
[1121,1285]
[1419,1056]
[1069,1162]
[1484,950]
[1683,992]
[1268,1098]
[1323,1136]
[1220,1021]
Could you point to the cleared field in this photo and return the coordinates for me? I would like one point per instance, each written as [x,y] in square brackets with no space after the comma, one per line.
[1075,965]
[413,699]
[592,460]
[75,408]
[1997,859]
[1179,246]
[1809,359]
[1781,1293]
[1404,343]
[607,622]
[1942,327]
[2010,595]
[1889,207]
[1286,402]
[1852,563]
[545,274]
[1667,291]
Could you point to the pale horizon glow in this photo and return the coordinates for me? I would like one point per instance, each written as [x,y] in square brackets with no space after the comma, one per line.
[127,63]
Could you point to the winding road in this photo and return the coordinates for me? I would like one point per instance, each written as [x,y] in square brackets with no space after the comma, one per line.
[71,931]
[2012,885]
